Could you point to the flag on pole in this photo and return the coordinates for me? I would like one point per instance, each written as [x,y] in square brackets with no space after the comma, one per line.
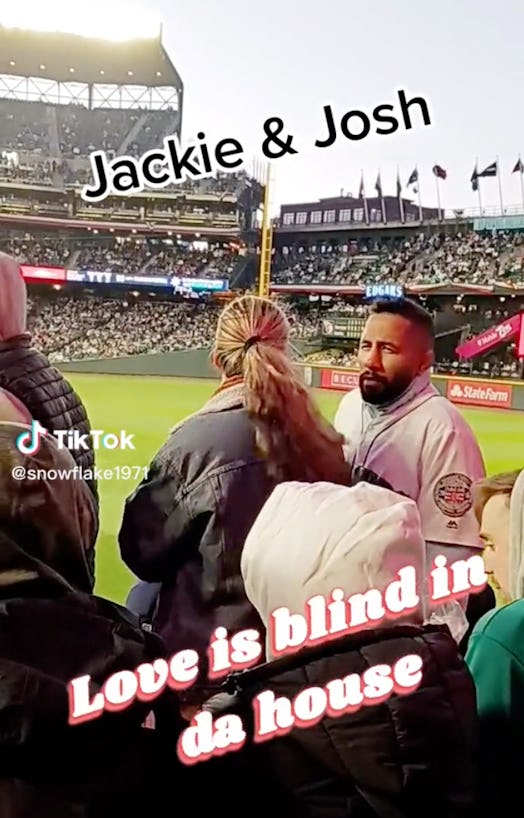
[399,197]
[378,188]
[519,168]
[474,179]
[413,179]
[362,196]
[439,172]
[491,170]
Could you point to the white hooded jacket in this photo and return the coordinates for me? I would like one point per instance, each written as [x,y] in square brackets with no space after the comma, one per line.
[312,538]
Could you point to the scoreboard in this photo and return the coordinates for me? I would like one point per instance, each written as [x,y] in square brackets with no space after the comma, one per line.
[338,326]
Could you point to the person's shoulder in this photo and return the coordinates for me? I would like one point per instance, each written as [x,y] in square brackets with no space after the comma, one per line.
[349,401]
[210,436]
[505,626]
[208,424]
[446,416]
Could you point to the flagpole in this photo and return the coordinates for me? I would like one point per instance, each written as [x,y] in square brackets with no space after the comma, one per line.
[382,202]
[478,185]
[364,198]
[399,195]
[500,188]
[521,184]
[419,197]
[438,194]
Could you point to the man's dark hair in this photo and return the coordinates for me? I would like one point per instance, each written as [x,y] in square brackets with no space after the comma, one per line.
[407,309]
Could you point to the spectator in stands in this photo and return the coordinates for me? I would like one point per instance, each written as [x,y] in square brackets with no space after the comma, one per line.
[185,525]
[27,375]
[472,258]
[496,649]
[53,631]
[401,429]
[412,753]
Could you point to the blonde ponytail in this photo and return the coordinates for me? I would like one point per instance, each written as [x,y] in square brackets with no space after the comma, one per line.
[291,435]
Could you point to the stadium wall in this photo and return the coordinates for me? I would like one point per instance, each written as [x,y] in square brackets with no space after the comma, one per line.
[491,393]
[195,363]
[192,363]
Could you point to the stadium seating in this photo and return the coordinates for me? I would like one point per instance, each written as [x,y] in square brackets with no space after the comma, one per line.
[430,259]
[129,255]
[52,143]
[68,328]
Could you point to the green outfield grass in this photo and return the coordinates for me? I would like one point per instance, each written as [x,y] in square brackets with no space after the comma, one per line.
[148,407]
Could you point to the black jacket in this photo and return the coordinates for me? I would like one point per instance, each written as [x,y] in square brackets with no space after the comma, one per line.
[49,769]
[185,527]
[49,398]
[407,757]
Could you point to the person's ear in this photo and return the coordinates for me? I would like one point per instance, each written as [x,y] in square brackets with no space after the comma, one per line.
[427,361]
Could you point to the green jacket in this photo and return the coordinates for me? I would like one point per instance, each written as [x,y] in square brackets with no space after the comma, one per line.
[495,658]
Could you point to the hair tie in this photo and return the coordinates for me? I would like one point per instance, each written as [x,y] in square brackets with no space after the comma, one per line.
[251,341]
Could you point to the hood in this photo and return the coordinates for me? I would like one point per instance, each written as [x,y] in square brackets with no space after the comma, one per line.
[13,299]
[516,538]
[312,538]
[48,519]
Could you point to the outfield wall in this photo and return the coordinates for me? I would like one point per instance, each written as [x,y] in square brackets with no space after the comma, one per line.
[488,392]
[195,363]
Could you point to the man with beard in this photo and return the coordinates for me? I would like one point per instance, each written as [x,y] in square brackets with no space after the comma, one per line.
[402,432]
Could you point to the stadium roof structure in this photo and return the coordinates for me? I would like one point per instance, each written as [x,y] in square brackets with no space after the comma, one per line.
[68,58]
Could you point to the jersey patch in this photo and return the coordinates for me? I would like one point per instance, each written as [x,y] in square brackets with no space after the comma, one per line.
[452,494]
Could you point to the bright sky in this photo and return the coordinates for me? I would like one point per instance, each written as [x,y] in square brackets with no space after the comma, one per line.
[242,62]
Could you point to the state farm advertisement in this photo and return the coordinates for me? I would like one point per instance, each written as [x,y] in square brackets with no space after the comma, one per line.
[479,393]
[342,381]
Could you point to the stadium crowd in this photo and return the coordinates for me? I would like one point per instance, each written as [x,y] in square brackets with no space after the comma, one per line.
[69,328]
[50,145]
[471,259]
[299,510]
[126,255]
[283,628]
[85,326]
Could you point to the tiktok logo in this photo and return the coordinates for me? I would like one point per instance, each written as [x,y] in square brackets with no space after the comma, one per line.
[29,442]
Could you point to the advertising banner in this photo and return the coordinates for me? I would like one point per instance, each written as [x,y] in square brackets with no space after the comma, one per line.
[479,393]
[489,339]
[96,277]
[43,275]
[379,291]
[175,284]
[342,381]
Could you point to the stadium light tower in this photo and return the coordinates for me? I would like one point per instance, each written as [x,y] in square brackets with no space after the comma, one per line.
[98,55]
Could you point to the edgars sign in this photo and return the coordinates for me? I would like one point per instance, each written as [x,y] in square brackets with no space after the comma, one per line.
[374,291]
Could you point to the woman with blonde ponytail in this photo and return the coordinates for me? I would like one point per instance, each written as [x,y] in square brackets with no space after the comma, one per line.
[252,344]
[185,526]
